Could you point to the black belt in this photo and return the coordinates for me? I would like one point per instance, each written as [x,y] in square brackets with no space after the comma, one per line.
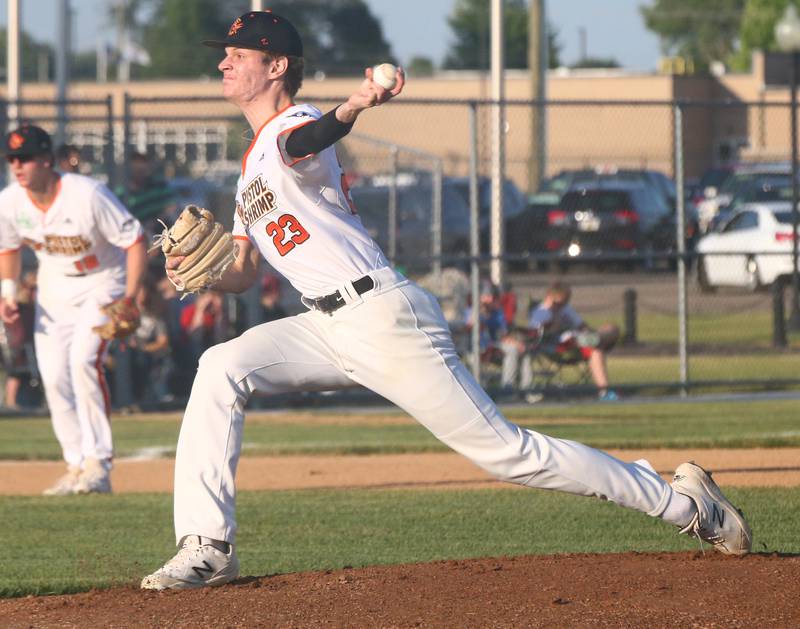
[334,301]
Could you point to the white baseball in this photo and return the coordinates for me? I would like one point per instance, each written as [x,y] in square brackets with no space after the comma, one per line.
[385,75]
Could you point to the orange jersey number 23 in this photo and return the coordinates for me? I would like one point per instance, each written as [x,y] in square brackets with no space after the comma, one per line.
[286,232]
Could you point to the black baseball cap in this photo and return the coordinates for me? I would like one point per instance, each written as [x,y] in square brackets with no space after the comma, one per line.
[262,30]
[28,140]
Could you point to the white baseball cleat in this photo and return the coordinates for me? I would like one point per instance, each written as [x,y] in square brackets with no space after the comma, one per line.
[197,564]
[65,485]
[94,478]
[717,521]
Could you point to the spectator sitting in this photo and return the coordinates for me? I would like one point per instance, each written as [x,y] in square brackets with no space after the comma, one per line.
[491,323]
[203,322]
[68,159]
[19,359]
[184,360]
[563,334]
[508,304]
[150,350]
[271,308]
[146,196]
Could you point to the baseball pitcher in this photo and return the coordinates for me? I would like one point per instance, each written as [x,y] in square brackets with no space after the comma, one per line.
[366,325]
[91,258]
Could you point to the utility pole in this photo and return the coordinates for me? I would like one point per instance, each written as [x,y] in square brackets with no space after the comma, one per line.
[13,57]
[123,43]
[537,66]
[497,230]
[62,68]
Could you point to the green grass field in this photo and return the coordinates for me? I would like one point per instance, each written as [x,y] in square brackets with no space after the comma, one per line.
[697,424]
[76,543]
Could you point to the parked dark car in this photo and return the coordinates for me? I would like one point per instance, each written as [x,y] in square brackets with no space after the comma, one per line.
[415,215]
[656,180]
[414,221]
[762,189]
[610,218]
[527,234]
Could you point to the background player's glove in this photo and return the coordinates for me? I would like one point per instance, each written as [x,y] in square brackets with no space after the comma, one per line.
[123,319]
[207,247]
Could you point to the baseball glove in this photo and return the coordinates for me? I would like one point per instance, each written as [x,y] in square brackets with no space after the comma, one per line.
[207,247]
[123,319]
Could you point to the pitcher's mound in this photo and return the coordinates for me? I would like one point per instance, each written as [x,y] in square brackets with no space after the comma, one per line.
[622,590]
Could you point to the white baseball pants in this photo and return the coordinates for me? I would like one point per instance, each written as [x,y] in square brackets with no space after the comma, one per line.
[70,360]
[395,341]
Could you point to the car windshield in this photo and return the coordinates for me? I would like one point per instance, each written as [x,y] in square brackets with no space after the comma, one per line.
[513,200]
[764,189]
[714,177]
[737,181]
[414,204]
[595,200]
[784,217]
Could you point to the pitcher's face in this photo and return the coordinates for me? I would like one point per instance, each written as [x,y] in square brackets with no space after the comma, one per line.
[245,74]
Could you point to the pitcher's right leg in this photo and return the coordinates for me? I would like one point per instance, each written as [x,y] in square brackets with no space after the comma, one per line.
[276,357]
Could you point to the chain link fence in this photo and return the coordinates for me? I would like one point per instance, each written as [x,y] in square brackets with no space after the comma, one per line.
[419,174]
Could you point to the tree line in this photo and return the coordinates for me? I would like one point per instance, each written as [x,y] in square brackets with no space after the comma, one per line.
[341,37]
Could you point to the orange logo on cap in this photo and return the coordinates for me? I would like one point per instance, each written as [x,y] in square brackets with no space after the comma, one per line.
[237,24]
[15,141]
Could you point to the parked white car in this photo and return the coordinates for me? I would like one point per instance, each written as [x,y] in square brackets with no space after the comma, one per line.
[752,249]
[742,175]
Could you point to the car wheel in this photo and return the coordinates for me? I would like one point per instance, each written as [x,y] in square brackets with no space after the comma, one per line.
[753,274]
[702,276]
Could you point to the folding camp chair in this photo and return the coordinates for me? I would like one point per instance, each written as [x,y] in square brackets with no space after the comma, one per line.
[557,367]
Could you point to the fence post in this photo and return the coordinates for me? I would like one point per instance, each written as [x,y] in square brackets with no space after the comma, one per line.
[393,154]
[474,241]
[629,300]
[683,310]
[111,167]
[436,223]
[126,138]
[778,315]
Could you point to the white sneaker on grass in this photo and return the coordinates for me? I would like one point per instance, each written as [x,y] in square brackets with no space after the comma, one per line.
[717,521]
[198,564]
[94,478]
[65,485]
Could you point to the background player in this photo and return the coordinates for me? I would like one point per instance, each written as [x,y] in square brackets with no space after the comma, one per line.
[366,325]
[90,252]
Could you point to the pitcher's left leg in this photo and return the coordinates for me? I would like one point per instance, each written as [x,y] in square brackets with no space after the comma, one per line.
[401,348]
[92,400]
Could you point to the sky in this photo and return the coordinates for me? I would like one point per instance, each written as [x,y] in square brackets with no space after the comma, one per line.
[613,28]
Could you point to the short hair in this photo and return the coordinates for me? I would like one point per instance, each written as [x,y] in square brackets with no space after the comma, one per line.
[136,156]
[64,151]
[559,289]
[293,78]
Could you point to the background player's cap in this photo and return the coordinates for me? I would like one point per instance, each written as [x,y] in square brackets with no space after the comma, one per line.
[262,30]
[28,140]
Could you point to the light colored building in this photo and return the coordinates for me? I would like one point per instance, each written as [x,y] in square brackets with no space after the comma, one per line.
[595,117]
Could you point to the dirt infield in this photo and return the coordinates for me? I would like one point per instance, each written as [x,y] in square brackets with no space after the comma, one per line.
[630,590]
[615,590]
[756,467]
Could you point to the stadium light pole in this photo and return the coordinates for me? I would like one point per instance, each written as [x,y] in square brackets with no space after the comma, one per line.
[787,34]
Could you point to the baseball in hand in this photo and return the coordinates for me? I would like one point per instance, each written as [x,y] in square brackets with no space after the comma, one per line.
[385,75]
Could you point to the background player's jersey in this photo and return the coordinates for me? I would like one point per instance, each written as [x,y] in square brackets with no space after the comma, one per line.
[82,234]
[297,212]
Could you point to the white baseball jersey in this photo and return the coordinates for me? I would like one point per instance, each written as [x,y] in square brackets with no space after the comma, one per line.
[83,233]
[80,242]
[391,338]
[298,212]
